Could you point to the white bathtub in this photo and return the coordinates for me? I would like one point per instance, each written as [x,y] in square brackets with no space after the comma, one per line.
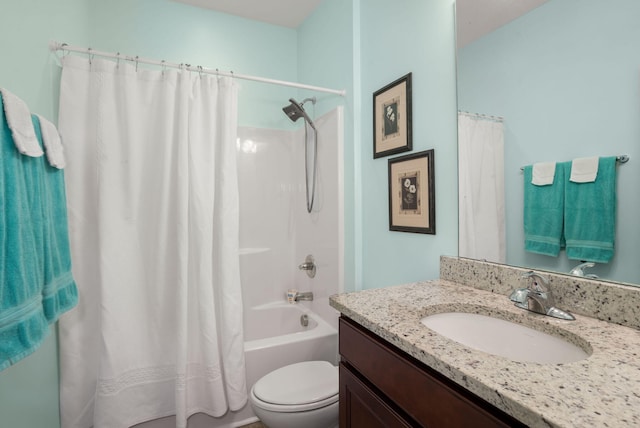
[273,339]
[276,320]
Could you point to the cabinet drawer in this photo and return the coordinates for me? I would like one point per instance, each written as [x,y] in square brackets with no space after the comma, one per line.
[425,395]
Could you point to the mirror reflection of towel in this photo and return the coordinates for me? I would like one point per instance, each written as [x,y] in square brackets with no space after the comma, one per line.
[543,213]
[543,173]
[584,170]
[590,213]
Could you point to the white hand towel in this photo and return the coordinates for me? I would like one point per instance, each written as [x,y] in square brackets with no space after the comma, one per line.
[19,121]
[52,143]
[543,173]
[584,170]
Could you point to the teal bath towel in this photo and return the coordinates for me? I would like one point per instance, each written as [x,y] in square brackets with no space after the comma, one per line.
[543,214]
[59,293]
[590,214]
[36,284]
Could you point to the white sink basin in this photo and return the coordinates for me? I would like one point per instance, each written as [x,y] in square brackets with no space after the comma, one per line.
[503,338]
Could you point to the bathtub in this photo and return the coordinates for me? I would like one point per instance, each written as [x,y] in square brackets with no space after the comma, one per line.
[274,338]
[265,322]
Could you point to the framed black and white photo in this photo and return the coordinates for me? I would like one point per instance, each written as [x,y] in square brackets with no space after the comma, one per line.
[412,193]
[392,118]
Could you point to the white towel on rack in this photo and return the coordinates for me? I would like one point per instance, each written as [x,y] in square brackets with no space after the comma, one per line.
[584,170]
[52,143]
[19,121]
[543,173]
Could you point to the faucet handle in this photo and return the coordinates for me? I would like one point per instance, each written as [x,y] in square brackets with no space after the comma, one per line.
[309,266]
[536,281]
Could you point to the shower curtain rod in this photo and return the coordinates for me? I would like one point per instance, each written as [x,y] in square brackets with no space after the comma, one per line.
[57,46]
[484,116]
[619,159]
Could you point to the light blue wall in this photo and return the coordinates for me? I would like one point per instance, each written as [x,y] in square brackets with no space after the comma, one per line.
[27,27]
[159,29]
[325,58]
[396,38]
[29,389]
[340,46]
[175,32]
[565,77]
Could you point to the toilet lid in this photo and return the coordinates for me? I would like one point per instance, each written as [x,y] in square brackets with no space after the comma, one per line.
[300,383]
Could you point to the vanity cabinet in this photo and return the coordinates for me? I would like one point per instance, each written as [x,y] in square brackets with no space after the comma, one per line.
[382,386]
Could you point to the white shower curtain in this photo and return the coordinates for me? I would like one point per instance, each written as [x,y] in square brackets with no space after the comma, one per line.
[153,210]
[481,188]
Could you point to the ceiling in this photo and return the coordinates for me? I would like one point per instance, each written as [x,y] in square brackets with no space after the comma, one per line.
[286,13]
[474,18]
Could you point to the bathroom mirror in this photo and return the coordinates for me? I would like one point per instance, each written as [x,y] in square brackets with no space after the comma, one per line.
[564,76]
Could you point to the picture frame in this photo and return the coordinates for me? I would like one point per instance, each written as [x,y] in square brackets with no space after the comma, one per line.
[412,199]
[392,124]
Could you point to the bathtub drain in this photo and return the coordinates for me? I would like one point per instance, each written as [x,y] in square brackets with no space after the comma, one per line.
[304,320]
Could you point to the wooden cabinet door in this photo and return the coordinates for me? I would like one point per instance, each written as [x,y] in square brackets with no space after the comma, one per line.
[360,407]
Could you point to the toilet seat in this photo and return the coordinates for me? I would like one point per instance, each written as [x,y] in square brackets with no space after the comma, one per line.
[297,387]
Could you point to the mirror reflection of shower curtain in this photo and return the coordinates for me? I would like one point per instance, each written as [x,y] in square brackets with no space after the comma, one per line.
[153,212]
[481,188]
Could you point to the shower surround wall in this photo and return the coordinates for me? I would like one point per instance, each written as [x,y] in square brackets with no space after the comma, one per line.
[276,232]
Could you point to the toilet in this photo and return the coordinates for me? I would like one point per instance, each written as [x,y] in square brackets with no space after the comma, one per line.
[298,395]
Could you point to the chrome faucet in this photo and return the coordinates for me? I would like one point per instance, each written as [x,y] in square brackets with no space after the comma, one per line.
[537,297]
[579,270]
[304,295]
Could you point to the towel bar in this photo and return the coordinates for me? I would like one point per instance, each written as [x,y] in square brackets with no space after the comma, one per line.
[620,159]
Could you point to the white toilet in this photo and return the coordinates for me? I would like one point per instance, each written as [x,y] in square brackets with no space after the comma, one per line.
[298,395]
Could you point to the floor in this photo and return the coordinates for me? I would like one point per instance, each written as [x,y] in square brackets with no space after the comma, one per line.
[254,425]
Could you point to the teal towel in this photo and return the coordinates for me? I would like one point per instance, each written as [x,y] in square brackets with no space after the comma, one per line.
[543,214]
[36,284]
[590,214]
[59,292]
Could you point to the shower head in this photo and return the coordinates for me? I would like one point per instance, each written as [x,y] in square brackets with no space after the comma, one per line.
[295,111]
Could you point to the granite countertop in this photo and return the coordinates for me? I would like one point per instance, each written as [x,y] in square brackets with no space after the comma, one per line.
[601,391]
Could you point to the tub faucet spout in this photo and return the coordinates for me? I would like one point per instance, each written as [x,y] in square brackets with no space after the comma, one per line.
[304,295]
